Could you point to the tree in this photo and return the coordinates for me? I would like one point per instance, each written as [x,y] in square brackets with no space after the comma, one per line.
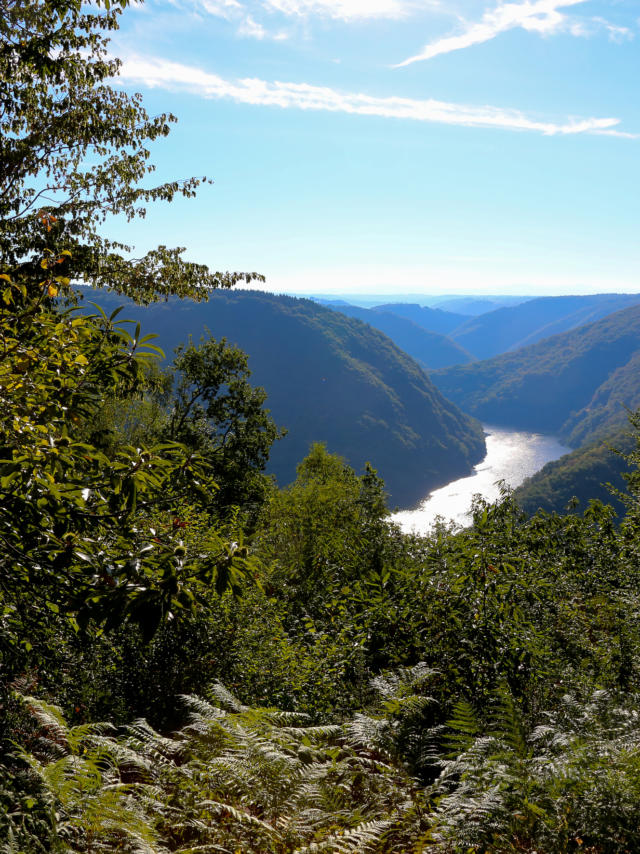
[205,401]
[73,151]
[326,534]
[81,532]
[93,536]
[218,412]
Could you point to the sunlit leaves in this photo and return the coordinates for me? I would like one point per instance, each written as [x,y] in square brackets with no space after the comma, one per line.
[74,151]
[84,532]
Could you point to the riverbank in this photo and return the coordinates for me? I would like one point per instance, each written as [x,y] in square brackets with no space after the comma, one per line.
[512,456]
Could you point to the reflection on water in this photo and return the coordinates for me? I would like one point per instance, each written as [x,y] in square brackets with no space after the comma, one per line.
[512,456]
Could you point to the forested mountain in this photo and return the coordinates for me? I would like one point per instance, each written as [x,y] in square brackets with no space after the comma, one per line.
[570,384]
[432,319]
[608,407]
[333,379]
[518,326]
[430,349]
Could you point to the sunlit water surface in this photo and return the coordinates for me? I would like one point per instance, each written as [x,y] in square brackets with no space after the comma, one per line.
[512,456]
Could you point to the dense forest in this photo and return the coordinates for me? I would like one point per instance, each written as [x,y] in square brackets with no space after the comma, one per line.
[596,470]
[193,660]
[580,384]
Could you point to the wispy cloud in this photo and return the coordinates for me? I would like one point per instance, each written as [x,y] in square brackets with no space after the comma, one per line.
[616,33]
[236,13]
[540,16]
[226,9]
[252,29]
[345,10]
[157,72]
[340,10]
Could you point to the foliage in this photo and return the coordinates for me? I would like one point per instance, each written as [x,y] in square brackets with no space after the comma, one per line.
[234,778]
[263,781]
[216,411]
[96,791]
[571,783]
[319,528]
[73,152]
[95,536]
[92,536]
[203,400]
[475,690]
[506,617]
[257,780]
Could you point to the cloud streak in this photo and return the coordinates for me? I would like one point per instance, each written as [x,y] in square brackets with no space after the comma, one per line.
[344,10]
[540,16]
[338,10]
[160,73]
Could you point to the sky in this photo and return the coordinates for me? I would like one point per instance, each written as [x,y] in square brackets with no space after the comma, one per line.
[396,145]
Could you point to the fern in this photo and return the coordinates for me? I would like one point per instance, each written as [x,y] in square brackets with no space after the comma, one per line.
[81,769]
[575,777]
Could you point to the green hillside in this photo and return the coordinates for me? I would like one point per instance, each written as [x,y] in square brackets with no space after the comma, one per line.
[570,384]
[333,379]
[608,407]
[583,474]
[430,349]
[518,326]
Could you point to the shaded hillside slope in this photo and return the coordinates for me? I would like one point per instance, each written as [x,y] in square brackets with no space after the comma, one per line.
[334,379]
[565,384]
[432,319]
[430,349]
[518,326]
[583,474]
[607,409]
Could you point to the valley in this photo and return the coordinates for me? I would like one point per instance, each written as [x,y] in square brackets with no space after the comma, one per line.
[329,378]
[216,635]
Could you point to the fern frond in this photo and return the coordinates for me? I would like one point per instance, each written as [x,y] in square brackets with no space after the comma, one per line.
[358,839]
[226,698]
[218,809]
[465,728]
[201,708]
[366,732]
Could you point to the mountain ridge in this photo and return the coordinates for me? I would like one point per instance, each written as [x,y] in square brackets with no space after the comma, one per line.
[513,327]
[551,386]
[431,350]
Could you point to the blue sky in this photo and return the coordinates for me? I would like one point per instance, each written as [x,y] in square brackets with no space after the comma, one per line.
[392,145]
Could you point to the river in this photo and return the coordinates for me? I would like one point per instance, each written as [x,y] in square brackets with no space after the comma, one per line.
[512,456]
